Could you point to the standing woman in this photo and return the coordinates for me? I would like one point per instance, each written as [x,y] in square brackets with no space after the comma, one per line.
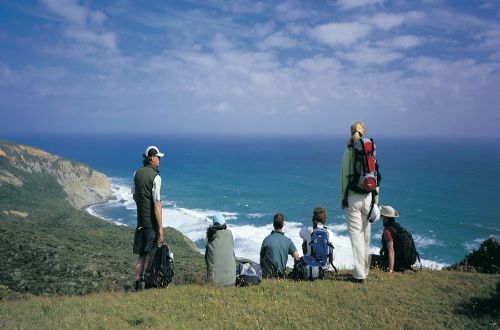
[357,200]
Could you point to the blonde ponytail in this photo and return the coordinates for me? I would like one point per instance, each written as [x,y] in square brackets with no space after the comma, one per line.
[357,132]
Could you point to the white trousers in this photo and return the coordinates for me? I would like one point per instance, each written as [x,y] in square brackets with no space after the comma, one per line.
[359,228]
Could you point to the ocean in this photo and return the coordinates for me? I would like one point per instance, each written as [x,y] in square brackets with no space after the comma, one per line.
[444,189]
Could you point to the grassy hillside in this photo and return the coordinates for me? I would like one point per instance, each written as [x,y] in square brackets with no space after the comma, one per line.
[48,246]
[423,300]
[52,251]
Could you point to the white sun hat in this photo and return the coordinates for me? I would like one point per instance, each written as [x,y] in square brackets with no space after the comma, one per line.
[388,211]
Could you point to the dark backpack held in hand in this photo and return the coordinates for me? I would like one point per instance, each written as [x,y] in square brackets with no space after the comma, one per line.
[160,268]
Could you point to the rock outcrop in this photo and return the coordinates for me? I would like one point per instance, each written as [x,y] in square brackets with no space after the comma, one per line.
[83,185]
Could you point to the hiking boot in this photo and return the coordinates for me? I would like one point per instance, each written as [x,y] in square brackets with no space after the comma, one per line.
[358,280]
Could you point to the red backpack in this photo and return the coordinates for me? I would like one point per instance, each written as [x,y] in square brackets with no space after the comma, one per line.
[366,176]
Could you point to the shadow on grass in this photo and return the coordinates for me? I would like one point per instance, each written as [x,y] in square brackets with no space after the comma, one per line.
[482,307]
[328,276]
[342,277]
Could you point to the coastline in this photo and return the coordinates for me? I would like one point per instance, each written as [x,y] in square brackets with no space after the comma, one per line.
[193,223]
[251,182]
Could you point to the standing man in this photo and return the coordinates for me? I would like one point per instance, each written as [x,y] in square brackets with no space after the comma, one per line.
[146,191]
[275,250]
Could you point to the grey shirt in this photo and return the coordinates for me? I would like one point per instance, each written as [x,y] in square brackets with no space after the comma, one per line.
[274,254]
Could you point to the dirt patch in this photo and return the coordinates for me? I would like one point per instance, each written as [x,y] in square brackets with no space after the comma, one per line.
[18,213]
[38,153]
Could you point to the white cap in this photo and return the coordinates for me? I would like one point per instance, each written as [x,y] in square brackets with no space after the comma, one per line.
[152,151]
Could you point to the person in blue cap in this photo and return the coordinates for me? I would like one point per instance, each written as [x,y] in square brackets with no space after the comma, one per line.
[219,254]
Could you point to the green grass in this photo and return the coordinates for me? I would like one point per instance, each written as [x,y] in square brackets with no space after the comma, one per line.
[422,300]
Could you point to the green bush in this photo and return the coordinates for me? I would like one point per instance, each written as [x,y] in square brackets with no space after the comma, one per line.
[486,259]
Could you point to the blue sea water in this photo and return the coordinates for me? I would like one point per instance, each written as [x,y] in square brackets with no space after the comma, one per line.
[444,189]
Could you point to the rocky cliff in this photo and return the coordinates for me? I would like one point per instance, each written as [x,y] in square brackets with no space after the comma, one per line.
[82,185]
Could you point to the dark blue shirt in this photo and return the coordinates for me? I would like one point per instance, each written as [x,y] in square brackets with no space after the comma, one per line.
[274,253]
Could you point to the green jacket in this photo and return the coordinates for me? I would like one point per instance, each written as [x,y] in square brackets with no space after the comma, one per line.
[219,256]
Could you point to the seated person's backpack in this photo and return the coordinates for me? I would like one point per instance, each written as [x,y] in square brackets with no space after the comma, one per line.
[321,250]
[405,252]
[160,268]
[248,273]
[307,268]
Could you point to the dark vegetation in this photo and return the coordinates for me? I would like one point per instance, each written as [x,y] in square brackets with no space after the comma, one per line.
[59,249]
[486,259]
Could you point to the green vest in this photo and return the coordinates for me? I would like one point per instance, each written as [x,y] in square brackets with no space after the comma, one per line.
[143,181]
[219,255]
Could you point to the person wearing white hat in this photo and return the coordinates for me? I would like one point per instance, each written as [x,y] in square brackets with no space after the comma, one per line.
[146,187]
[388,215]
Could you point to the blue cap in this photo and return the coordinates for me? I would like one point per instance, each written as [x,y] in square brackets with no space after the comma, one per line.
[219,219]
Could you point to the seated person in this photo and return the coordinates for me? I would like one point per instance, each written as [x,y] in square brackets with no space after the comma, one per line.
[387,252]
[324,249]
[275,250]
[219,254]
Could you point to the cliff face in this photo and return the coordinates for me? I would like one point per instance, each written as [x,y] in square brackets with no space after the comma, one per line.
[82,185]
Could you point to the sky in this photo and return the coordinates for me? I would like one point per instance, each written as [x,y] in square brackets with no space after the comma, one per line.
[427,68]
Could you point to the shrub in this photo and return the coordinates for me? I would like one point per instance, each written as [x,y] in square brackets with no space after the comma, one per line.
[486,259]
